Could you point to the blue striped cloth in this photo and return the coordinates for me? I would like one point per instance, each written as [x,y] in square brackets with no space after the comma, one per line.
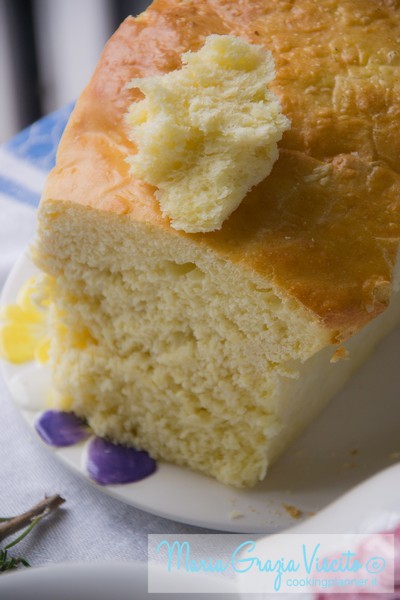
[26,159]
[25,162]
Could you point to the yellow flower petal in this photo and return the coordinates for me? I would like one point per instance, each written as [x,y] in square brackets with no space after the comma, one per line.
[15,314]
[24,324]
[18,341]
[42,351]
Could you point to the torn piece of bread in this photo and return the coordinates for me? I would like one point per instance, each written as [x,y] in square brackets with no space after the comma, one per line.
[213,350]
[207,133]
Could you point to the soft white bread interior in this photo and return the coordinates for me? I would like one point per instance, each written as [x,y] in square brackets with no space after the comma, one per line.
[207,133]
[165,347]
[213,350]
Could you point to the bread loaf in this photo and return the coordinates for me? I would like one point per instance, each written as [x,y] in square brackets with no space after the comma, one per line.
[214,350]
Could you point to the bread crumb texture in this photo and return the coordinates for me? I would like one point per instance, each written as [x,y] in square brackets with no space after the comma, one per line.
[235,514]
[340,353]
[293,511]
[158,350]
[208,132]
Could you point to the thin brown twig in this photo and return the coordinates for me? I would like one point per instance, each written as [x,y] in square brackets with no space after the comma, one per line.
[40,509]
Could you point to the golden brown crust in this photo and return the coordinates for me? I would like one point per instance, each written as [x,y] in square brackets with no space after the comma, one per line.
[326,224]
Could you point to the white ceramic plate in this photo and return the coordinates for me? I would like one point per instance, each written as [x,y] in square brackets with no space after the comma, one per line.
[102,581]
[356,436]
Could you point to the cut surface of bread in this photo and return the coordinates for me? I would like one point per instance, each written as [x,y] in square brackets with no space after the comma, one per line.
[213,350]
[207,133]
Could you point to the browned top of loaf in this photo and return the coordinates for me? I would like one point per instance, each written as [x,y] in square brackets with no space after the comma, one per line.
[325,225]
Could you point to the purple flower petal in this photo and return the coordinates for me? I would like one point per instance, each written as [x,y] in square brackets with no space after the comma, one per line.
[58,428]
[109,463]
